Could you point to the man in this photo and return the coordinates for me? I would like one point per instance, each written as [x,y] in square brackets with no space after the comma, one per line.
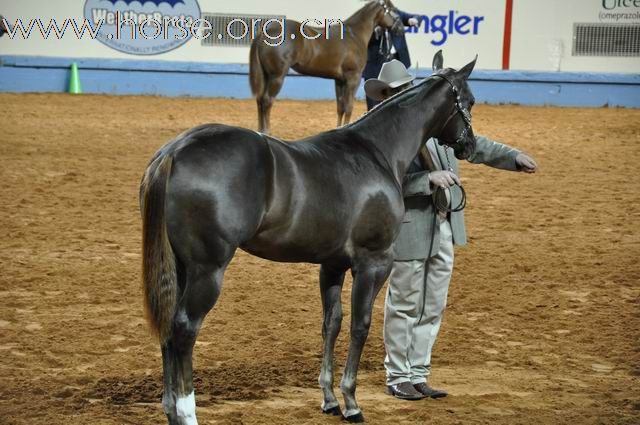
[386,45]
[413,308]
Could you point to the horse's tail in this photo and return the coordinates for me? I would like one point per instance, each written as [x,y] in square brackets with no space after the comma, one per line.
[159,277]
[256,71]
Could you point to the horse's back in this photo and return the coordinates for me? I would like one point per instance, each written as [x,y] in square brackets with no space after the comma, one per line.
[318,53]
[312,200]
[328,195]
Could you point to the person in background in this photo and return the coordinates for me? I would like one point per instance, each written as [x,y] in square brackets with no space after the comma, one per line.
[386,45]
[419,281]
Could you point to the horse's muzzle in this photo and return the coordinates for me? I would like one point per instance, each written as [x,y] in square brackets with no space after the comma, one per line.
[466,148]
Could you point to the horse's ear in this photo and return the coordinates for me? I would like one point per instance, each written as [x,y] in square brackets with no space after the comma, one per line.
[465,72]
[437,61]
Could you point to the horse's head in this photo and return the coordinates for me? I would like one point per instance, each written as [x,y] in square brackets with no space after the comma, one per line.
[456,130]
[388,17]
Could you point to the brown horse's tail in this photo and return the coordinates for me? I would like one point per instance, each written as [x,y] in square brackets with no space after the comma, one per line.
[256,71]
[159,277]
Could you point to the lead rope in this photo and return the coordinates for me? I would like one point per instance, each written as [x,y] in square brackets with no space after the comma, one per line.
[384,48]
[441,204]
[440,195]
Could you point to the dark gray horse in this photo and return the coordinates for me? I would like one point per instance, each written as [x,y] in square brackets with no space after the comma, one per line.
[333,199]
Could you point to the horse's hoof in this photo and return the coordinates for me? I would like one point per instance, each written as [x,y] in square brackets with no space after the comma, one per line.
[358,418]
[334,411]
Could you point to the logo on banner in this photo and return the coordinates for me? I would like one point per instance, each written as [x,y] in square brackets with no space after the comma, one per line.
[620,11]
[143,27]
[441,27]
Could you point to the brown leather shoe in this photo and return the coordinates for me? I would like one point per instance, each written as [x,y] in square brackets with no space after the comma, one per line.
[425,389]
[404,391]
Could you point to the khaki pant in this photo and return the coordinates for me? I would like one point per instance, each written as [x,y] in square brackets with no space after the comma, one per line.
[408,339]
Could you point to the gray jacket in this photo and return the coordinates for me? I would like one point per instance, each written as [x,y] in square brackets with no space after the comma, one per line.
[417,230]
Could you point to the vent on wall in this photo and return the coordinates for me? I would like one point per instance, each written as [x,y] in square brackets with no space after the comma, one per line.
[227,30]
[606,39]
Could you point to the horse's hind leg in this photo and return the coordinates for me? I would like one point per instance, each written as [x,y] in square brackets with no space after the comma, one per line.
[331,281]
[262,125]
[169,377]
[350,88]
[201,290]
[265,102]
[340,99]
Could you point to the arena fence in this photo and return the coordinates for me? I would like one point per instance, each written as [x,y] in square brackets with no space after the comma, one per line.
[24,74]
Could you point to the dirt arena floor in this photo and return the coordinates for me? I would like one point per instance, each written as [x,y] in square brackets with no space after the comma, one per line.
[542,325]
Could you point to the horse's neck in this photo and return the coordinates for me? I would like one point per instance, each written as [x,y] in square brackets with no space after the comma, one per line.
[399,132]
[362,22]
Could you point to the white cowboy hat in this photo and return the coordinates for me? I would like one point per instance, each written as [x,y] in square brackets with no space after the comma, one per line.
[392,75]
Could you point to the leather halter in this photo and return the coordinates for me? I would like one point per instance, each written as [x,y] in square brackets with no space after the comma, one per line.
[466,115]
[390,11]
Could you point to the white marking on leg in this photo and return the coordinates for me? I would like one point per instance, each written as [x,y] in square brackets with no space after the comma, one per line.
[326,406]
[351,412]
[186,409]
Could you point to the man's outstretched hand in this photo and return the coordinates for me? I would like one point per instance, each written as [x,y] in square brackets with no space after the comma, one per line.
[526,164]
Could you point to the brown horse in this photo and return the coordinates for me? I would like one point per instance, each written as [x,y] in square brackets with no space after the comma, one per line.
[339,54]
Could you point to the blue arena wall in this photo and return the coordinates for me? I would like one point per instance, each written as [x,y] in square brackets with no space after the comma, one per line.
[28,74]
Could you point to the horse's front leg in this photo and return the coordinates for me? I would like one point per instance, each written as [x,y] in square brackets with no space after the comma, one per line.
[331,281]
[369,276]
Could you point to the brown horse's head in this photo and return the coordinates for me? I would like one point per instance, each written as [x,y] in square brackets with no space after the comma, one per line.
[388,17]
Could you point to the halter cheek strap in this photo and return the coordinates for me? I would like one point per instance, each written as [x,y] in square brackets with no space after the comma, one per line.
[389,10]
[466,115]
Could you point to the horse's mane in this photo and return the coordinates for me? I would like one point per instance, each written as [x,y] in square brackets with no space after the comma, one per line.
[400,97]
[364,8]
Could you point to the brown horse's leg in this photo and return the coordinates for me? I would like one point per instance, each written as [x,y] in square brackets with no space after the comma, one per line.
[265,113]
[331,281]
[203,285]
[340,86]
[274,84]
[369,276]
[265,101]
[351,86]
[262,125]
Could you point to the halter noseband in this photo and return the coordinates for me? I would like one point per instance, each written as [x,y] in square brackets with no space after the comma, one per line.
[466,115]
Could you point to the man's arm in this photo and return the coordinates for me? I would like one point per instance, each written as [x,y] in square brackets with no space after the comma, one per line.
[494,154]
[409,19]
